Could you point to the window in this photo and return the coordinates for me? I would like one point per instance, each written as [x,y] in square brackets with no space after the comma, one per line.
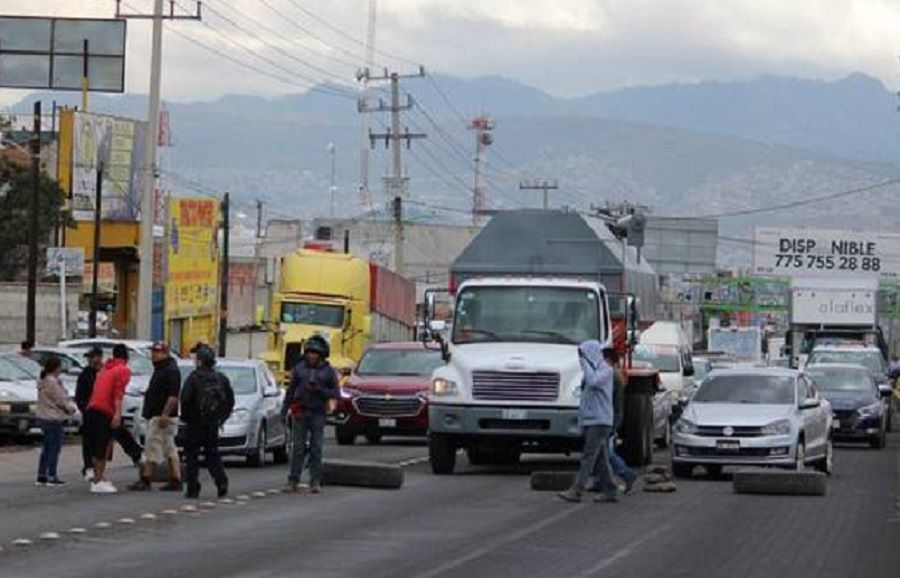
[412,362]
[312,314]
[748,389]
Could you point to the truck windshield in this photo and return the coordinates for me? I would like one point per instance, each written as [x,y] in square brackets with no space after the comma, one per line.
[871,360]
[527,314]
[312,314]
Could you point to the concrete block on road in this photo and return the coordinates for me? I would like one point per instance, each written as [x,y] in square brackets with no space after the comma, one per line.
[361,474]
[552,481]
[779,482]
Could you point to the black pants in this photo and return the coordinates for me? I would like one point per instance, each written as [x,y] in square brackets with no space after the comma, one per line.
[121,435]
[205,437]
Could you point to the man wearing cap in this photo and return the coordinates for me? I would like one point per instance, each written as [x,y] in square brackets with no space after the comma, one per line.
[160,410]
[83,389]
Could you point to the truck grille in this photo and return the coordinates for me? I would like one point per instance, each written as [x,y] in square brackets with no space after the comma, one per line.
[388,406]
[511,386]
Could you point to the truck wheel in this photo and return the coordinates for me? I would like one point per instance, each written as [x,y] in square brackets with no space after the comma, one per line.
[682,470]
[441,454]
[345,436]
[507,456]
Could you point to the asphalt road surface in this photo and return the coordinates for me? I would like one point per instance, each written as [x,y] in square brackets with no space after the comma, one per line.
[480,522]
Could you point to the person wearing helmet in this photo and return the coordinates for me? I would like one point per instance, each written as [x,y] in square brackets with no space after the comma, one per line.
[313,383]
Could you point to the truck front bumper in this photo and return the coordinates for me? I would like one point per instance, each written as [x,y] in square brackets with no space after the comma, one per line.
[525,423]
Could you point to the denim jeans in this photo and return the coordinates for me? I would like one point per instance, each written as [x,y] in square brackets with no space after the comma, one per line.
[53,436]
[617,464]
[307,433]
[595,460]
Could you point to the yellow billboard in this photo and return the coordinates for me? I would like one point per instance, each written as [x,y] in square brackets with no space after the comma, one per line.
[192,279]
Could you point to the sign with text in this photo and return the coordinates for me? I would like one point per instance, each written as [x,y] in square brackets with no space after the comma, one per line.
[826,253]
[72,258]
[192,281]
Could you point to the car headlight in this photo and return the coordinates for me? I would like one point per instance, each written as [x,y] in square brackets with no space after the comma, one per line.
[685,426]
[8,395]
[348,393]
[777,428]
[239,416]
[441,386]
[871,410]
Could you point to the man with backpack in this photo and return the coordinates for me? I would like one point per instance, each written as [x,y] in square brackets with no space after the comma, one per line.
[207,401]
[314,384]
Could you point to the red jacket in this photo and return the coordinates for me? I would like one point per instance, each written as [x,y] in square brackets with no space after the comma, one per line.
[110,386]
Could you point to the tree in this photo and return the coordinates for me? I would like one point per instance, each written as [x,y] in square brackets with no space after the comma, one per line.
[15,194]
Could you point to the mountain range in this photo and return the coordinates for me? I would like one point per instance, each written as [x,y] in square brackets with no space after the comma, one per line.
[684,149]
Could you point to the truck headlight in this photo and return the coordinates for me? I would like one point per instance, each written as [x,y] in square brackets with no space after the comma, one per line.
[239,417]
[441,386]
[685,426]
[871,410]
[777,428]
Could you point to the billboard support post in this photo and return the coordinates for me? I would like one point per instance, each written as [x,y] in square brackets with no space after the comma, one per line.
[85,79]
[98,210]
[30,332]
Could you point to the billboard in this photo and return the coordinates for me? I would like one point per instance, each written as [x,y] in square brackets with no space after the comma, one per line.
[53,53]
[681,246]
[835,302]
[825,253]
[122,177]
[192,280]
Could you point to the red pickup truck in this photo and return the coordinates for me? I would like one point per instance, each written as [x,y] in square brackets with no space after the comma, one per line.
[386,393]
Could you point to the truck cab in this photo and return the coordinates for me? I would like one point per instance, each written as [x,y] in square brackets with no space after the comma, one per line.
[512,378]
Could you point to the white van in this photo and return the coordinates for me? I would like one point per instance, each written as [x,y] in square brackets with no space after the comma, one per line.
[670,353]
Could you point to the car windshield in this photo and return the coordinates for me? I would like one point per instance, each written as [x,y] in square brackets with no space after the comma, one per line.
[664,360]
[841,380]
[242,379]
[29,367]
[527,314]
[751,389]
[399,362]
[871,360]
[11,372]
[312,314]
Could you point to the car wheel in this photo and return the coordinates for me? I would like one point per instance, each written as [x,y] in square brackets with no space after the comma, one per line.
[682,470]
[800,460]
[826,464]
[441,454]
[257,458]
[345,436]
[879,441]
[374,437]
[281,455]
[713,471]
[890,417]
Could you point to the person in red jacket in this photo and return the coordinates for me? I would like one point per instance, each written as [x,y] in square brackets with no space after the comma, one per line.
[104,414]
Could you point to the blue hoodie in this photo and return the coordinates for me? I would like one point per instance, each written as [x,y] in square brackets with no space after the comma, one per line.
[596,405]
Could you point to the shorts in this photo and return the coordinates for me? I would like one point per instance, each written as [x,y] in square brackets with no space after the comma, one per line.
[97,432]
[160,447]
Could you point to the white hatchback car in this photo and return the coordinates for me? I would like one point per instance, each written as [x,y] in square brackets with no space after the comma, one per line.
[760,417]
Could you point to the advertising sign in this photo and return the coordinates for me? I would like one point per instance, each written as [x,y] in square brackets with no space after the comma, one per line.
[71,257]
[106,278]
[826,253]
[124,139]
[835,302]
[192,282]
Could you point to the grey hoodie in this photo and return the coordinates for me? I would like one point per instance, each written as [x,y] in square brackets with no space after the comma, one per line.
[596,405]
[53,400]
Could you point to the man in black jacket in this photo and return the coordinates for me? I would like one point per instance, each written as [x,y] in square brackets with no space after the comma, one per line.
[207,400]
[160,411]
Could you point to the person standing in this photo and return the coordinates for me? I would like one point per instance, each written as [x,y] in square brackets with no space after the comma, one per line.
[160,410]
[104,414]
[595,417]
[83,389]
[207,401]
[313,383]
[616,463]
[53,410]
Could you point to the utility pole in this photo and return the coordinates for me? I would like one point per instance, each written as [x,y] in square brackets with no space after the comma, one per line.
[396,185]
[223,299]
[365,197]
[95,258]
[259,220]
[30,331]
[482,125]
[541,185]
[332,151]
[145,277]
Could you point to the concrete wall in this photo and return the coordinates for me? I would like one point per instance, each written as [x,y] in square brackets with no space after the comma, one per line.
[13,302]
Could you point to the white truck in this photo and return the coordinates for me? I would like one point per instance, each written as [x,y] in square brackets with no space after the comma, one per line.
[512,380]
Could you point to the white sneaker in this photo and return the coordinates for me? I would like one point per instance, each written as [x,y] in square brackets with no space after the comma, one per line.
[89,475]
[103,487]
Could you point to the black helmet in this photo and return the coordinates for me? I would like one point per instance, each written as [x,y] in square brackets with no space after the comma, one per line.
[317,344]
[205,355]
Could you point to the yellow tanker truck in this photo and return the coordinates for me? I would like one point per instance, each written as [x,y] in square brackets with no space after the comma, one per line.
[345,299]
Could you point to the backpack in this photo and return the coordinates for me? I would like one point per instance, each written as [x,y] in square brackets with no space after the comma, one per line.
[215,406]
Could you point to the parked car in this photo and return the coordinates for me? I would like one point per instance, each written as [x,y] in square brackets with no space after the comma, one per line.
[72,360]
[255,428]
[675,385]
[856,402]
[754,416]
[386,394]
[18,399]
[31,370]
[107,343]
[867,356]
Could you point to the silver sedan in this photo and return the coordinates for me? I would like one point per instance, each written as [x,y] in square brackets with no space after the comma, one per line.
[764,417]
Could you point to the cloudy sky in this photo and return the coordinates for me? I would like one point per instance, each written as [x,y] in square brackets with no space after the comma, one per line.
[566,47]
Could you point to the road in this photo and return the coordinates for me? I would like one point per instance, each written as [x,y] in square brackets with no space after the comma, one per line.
[481,522]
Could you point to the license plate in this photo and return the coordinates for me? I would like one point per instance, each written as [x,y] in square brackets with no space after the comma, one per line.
[515,414]
[387,422]
[728,446]
[835,424]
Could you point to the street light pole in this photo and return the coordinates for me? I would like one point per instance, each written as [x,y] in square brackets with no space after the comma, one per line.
[30,330]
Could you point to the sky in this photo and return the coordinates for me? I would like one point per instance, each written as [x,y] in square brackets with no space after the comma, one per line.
[566,47]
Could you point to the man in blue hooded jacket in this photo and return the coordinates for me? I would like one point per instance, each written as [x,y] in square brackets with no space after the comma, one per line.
[596,416]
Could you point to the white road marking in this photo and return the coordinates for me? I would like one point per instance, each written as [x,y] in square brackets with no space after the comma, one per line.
[148,516]
[274,491]
[258,494]
[103,525]
[77,531]
[207,505]
[49,536]
[624,552]
[188,508]
[243,497]
[21,543]
[169,512]
[226,501]
[412,462]
[125,521]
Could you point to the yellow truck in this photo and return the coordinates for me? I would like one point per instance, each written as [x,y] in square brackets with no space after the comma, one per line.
[345,299]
